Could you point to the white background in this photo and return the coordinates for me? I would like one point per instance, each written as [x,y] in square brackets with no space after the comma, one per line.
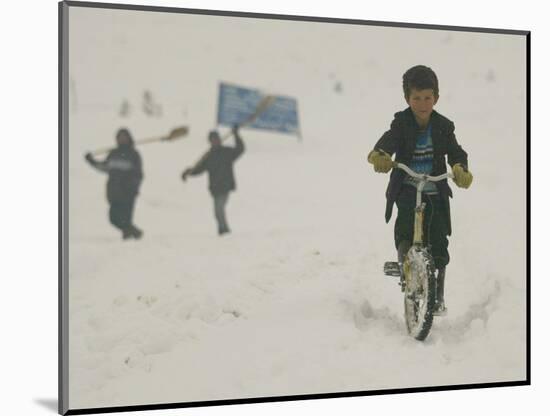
[29,185]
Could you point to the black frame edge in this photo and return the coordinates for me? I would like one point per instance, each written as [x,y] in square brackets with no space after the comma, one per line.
[60,395]
[528,198]
[63,370]
[165,9]
[280,399]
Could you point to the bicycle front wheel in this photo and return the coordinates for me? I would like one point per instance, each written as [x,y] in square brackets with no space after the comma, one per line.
[419,292]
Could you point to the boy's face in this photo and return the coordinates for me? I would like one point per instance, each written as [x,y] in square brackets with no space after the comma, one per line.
[422,103]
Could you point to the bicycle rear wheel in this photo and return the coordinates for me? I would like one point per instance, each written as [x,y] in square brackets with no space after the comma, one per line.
[419,292]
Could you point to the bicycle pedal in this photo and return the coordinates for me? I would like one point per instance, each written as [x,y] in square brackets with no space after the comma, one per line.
[391,268]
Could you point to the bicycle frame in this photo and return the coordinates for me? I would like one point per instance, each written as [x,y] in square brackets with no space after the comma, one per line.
[416,269]
[420,206]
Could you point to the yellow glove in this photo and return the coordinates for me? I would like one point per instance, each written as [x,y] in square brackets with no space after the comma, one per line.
[462,177]
[381,160]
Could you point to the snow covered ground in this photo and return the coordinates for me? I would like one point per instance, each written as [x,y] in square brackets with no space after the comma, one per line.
[294,300]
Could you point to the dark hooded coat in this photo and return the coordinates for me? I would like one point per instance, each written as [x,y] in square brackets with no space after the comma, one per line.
[218,162]
[123,165]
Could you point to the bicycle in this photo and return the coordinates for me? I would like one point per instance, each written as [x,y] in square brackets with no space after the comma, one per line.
[417,273]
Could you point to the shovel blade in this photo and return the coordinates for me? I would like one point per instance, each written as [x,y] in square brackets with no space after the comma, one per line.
[177,133]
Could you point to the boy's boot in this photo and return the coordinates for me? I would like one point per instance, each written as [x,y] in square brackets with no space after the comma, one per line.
[402,250]
[439,308]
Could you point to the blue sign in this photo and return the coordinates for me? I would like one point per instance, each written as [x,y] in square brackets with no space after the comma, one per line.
[237,104]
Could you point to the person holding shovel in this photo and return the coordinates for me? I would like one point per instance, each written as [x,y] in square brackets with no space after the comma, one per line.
[218,162]
[123,165]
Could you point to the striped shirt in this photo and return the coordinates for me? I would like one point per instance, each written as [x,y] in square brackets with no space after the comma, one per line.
[422,160]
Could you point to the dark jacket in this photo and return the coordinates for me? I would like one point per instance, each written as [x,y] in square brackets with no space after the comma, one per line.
[218,162]
[123,165]
[400,140]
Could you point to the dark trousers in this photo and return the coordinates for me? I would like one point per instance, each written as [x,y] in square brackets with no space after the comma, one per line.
[120,213]
[220,200]
[435,228]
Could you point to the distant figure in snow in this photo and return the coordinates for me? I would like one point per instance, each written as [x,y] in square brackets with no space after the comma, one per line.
[123,165]
[218,162]
[420,137]
[149,106]
[124,109]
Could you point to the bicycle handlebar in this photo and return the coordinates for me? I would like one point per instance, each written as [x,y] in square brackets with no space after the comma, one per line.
[422,176]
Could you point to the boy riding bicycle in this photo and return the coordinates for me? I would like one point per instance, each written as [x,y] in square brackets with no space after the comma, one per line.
[421,138]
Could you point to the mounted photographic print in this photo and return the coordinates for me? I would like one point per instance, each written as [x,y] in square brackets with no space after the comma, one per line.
[265,207]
